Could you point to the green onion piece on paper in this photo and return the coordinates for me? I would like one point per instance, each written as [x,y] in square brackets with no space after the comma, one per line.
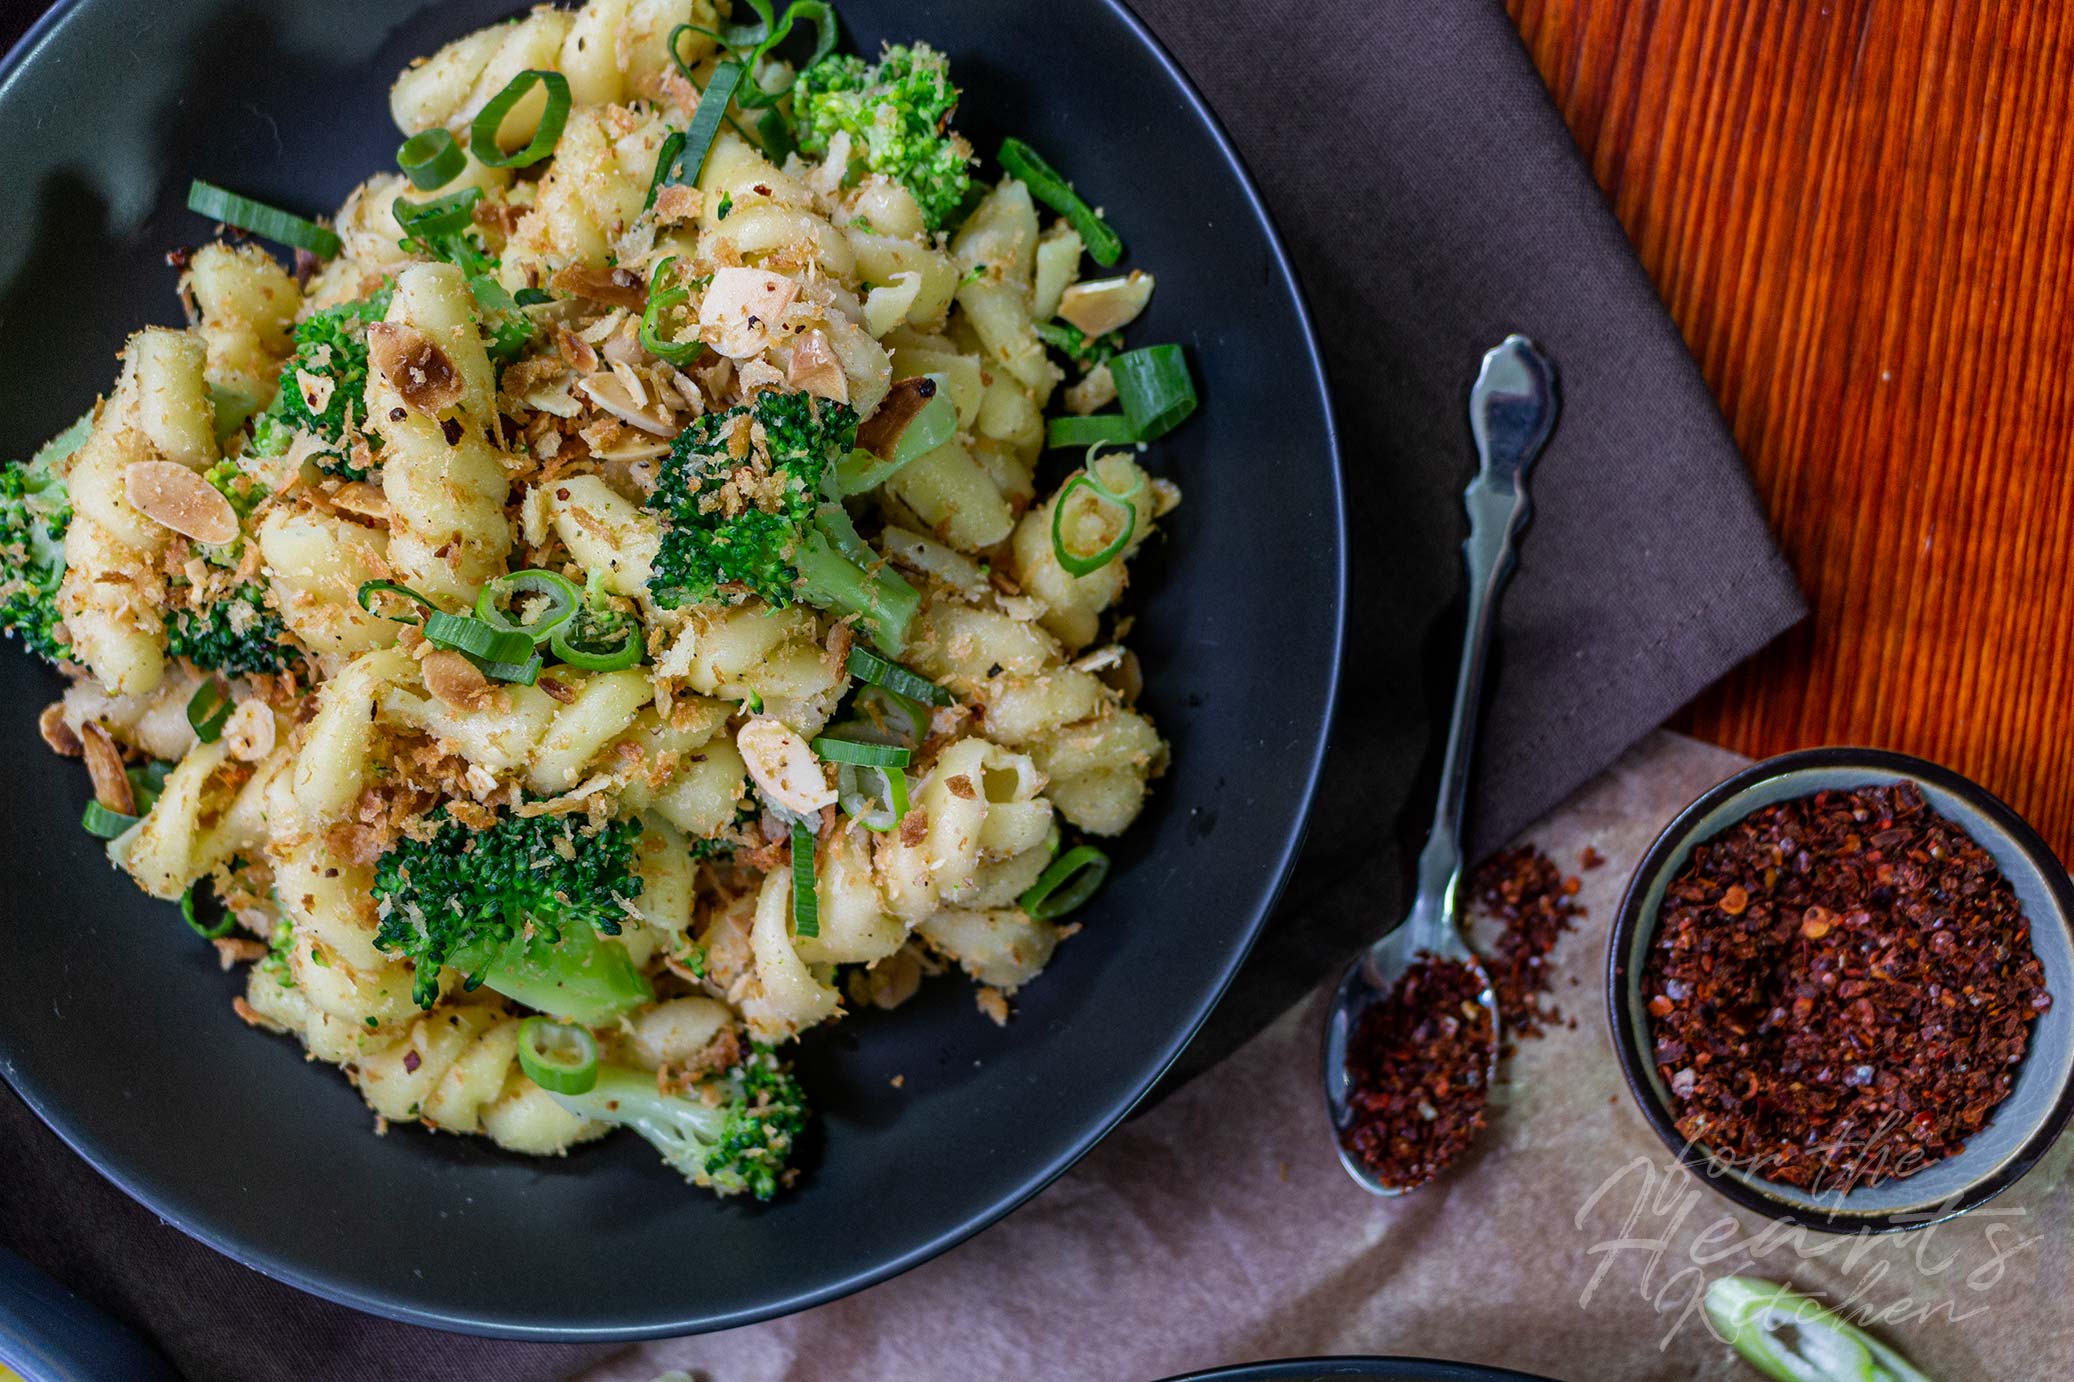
[1046,185]
[1066,883]
[806,903]
[482,133]
[1795,1338]
[267,222]
[431,159]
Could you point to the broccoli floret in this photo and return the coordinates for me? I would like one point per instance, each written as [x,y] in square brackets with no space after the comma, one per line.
[239,635]
[1073,343]
[330,345]
[897,114]
[35,510]
[517,906]
[733,1135]
[744,511]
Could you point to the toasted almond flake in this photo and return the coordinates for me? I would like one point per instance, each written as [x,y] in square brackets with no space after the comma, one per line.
[175,497]
[1104,305]
[418,369]
[881,432]
[1096,390]
[614,287]
[363,499]
[231,950]
[316,389]
[894,980]
[250,731]
[56,733]
[783,766]
[456,681]
[814,369]
[104,766]
[678,202]
[741,306]
[610,393]
[994,1004]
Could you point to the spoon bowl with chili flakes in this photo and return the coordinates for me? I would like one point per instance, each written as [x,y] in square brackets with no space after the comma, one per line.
[1838,987]
[1411,1044]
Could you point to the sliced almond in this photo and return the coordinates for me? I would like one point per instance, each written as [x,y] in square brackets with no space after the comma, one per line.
[614,287]
[881,432]
[56,733]
[1103,305]
[456,681]
[419,369]
[678,202]
[363,499]
[610,392]
[741,306]
[104,765]
[250,731]
[783,767]
[814,369]
[175,497]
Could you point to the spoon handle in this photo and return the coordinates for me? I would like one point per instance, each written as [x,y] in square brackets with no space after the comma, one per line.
[1512,410]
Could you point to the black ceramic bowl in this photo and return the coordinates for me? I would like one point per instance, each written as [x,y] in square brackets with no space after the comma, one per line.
[2023,1125]
[115,1022]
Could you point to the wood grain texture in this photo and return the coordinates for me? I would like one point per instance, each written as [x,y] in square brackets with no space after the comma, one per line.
[1859,215]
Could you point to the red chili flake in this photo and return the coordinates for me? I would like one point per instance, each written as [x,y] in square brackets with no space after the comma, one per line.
[1840,989]
[1590,858]
[411,1062]
[1523,890]
[1418,1062]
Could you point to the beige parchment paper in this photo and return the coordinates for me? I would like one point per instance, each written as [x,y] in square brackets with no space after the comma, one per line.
[1219,1228]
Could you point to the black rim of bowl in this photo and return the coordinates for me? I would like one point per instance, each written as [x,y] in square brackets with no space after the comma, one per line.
[1635,1066]
[1281,861]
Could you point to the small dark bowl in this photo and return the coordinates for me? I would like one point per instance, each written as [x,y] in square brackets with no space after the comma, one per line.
[2023,1126]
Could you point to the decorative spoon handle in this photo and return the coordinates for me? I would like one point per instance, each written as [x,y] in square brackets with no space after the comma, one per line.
[1512,410]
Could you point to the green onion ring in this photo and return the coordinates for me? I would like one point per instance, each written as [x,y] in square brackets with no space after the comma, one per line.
[578,643]
[221,928]
[1047,186]
[523,673]
[866,665]
[1155,389]
[1074,563]
[866,807]
[267,222]
[482,132]
[431,159]
[661,300]
[1066,883]
[103,824]
[806,904]
[834,750]
[370,589]
[467,634]
[208,710]
[560,1057]
[1102,429]
[428,220]
[559,591]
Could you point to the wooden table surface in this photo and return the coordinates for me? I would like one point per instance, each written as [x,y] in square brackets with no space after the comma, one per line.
[1859,214]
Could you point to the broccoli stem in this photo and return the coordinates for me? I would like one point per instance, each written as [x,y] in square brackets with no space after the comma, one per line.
[837,571]
[577,977]
[733,1133]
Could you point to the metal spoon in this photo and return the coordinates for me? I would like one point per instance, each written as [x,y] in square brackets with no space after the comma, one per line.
[1512,410]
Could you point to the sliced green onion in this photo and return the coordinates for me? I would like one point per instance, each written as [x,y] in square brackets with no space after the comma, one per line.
[866,665]
[482,133]
[826,32]
[370,589]
[806,904]
[833,750]
[532,297]
[881,810]
[560,1057]
[467,634]
[1154,387]
[1045,184]
[665,158]
[208,710]
[774,132]
[1795,1338]
[1102,429]
[661,300]
[213,931]
[522,673]
[599,644]
[1078,564]
[103,824]
[680,161]
[267,222]
[431,159]
[449,215]
[493,605]
[1066,883]
[935,423]
[147,781]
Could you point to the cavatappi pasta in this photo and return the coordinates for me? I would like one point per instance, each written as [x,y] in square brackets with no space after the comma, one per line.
[444,542]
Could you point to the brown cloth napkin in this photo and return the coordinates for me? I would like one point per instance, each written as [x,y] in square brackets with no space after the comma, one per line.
[1433,202]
